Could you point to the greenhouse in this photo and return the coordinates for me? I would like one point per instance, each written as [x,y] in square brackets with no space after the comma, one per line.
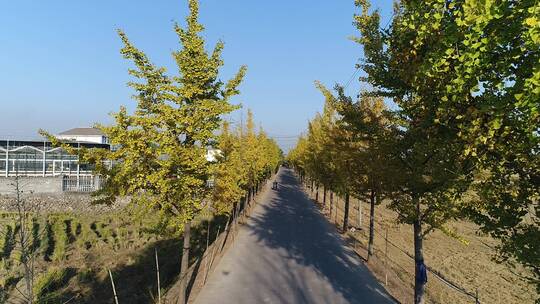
[40,158]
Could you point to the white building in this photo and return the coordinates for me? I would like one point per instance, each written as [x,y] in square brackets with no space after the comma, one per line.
[90,135]
[46,168]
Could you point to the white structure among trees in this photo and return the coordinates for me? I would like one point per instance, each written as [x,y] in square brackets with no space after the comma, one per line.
[40,159]
[90,135]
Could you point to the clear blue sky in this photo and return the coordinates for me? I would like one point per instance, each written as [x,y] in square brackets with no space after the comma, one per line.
[61,66]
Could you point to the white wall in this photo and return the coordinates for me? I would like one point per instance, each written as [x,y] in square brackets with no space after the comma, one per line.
[32,184]
[87,138]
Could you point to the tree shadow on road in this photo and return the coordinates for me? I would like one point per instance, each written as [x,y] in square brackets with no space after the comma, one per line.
[292,224]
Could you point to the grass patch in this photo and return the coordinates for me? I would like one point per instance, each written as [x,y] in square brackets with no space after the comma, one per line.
[74,251]
[51,281]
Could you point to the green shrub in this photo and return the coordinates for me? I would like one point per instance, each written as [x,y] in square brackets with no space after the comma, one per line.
[8,281]
[60,239]
[48,247]
[36,235]
[3,238]
[86,275]
[15,257]
[94,227]
[86,237]
[8,242]
[69,228]
[105,231]
[76,227]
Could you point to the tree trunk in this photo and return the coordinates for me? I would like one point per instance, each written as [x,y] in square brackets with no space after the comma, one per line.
[182,299]
[371,223]
[324,196]
[419,283]
[346,213]
[238,212]
[359,214]
[331,203]
[317,193]
[311,188]
[235,211]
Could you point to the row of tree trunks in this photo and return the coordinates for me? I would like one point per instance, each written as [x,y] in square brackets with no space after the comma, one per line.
[373,201]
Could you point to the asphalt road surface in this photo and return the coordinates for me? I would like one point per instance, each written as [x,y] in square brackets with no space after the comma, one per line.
[288,253]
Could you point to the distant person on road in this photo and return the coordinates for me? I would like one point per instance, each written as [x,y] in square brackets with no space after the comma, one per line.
[275,185]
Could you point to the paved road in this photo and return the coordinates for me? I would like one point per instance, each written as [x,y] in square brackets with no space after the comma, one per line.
[288,253]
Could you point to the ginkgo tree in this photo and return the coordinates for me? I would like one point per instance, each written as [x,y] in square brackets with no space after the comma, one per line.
[347,149]
[328,155]
[256,145]
[465,78]
[339,152]
[465,75]
[378,153]
[372,130]
[245,159]
[485,68]
[297,157]
[230,173]
[314,155]
[159,149]
[321,148]
[434,172]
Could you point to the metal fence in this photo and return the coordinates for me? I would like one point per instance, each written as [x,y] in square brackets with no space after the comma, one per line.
[82,183]
[392,264]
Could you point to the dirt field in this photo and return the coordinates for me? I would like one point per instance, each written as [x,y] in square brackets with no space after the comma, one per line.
[468,266]
[75,252]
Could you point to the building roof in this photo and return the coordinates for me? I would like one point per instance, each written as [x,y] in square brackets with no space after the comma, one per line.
[83,131]
[5,144]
